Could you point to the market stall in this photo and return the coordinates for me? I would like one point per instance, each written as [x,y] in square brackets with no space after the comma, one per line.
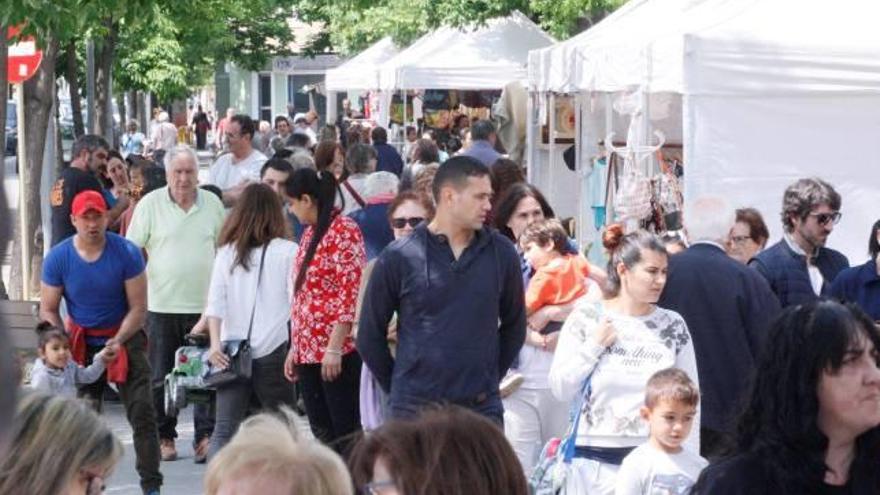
[769,101]
[360,73]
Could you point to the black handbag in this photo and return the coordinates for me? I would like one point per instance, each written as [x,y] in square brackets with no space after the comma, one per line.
[239,350]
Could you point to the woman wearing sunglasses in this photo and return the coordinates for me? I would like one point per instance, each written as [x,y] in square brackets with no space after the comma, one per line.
[405,212]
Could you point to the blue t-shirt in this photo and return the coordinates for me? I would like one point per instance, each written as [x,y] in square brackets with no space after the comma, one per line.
[94,292]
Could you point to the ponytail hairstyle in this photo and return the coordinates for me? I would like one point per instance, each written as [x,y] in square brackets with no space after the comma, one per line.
[626,249]
[323,189]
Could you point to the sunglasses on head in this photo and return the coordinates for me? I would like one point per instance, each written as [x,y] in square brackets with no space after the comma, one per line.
[824,218]
[399,223]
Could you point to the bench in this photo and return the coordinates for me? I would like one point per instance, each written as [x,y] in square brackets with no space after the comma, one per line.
[20,318]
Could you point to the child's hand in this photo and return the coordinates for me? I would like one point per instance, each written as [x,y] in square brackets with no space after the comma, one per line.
[107,354]
[606,335]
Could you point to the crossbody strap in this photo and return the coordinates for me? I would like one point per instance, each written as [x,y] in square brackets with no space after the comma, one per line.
[354,194]
[257,293]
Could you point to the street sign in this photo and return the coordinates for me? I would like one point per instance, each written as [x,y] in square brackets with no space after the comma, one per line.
[23,59]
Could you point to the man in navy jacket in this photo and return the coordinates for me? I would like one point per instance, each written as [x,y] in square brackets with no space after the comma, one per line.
[387,158]
[458,293]
[799,268]
[727,307]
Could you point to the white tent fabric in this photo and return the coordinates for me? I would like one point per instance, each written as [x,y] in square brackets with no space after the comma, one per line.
[362,71]
[768,102]
[487,57]
[640,44]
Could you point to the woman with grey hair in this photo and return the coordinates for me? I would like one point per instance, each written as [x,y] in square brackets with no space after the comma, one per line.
[360,161]
[59,446]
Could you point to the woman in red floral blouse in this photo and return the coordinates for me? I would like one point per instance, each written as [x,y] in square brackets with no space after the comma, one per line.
[327,275]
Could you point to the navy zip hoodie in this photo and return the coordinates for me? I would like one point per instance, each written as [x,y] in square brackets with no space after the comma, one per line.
[460,322]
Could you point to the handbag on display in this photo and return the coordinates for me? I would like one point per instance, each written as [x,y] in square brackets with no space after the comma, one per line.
[554,464]
[238,350]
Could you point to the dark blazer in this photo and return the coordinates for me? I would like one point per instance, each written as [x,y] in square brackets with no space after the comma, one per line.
[728,308]
[786,271]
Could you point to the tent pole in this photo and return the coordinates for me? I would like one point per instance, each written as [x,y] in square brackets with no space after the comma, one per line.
[531,123]
[580,169]
[551,137]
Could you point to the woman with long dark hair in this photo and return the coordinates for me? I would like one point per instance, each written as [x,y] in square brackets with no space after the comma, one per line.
[812,420]
[249,295]
[327,275]
[618,344]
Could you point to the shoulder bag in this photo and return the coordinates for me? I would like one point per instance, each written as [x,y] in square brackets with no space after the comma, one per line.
[238,350]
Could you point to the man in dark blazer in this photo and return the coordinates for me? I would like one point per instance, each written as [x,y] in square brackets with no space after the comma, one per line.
[728,308]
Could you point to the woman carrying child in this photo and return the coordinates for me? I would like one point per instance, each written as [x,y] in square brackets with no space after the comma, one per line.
[617,344]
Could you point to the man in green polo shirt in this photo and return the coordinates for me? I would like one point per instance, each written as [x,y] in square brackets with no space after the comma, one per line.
[178,226]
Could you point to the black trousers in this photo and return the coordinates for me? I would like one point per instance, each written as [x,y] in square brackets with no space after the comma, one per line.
[138,403]
[333,407]
[166,332]
[267,390]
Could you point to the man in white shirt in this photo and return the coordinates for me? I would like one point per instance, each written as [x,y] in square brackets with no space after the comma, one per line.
[233,171]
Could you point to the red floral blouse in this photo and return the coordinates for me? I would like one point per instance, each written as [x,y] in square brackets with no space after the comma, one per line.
[329,294]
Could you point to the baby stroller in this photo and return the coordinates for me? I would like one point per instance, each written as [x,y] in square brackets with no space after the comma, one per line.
[186,383]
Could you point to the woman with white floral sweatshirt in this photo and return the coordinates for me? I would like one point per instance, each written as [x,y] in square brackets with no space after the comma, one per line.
[621,341]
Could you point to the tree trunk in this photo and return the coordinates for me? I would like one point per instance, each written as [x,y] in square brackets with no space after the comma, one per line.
[131,106]
[142,113]
[39,93]
[105,52]
[72,68]
[121,104]
[5,229]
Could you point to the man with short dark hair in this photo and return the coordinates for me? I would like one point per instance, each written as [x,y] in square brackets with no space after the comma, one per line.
[233,171]
[88,156]
[457,288]
[100,276]
[387,158]
[282,133]
[800,268]
[483,140]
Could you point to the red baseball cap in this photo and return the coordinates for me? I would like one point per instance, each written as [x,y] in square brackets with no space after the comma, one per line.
[87,201]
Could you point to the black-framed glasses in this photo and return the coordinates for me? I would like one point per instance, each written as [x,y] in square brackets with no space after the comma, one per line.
[739,239]
[824,218]
[399,223]
[378,487]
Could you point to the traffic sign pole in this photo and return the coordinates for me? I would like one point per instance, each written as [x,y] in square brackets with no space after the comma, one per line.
[23,169]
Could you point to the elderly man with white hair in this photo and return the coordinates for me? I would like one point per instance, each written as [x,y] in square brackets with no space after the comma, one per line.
[380,188]
[164,135]
[178,226]
[728,308]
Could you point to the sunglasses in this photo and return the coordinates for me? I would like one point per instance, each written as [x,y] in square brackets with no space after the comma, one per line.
[399,223]
[824,218]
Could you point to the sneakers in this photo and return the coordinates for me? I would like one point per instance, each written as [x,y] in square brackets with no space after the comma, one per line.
[510,383]
[168,450]
[201,450]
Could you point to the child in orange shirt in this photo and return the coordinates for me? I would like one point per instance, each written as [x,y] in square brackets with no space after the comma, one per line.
[559,279]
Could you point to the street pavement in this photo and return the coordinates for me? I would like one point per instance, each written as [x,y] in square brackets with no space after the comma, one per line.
[183,476]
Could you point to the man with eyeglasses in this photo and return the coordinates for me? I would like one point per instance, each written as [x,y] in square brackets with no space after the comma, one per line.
[233,171]
[800,268]
[88,157]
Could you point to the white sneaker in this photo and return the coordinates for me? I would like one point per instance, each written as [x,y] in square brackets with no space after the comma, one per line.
[510,383]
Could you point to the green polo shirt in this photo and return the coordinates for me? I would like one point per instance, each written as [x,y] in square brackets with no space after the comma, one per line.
[180,249]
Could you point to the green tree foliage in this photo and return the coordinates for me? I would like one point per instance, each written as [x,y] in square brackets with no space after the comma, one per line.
[351,25]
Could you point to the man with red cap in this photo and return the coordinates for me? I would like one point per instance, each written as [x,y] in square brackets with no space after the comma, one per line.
[101,277]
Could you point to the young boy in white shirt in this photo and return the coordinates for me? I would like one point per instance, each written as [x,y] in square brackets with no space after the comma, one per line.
[661,466]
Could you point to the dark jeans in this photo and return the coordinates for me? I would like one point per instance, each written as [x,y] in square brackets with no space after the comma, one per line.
[333,407]
[267,390]
[166,332]
[138,403]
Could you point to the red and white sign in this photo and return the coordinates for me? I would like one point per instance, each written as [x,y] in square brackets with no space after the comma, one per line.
[23,59]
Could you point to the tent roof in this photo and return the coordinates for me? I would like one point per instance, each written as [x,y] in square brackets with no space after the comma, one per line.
[361,72]
[819,48]
[487,57]
[640,43]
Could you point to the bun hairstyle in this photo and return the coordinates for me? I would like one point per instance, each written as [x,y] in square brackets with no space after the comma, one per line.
[626,249]
[46,332]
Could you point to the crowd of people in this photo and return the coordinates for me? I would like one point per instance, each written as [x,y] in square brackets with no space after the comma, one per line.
[438,327]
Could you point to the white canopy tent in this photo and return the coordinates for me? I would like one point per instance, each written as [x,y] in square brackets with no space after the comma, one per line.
[362,71]
[486,57]
[768,102]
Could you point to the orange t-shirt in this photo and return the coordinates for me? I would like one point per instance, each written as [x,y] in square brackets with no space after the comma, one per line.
[560,282]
